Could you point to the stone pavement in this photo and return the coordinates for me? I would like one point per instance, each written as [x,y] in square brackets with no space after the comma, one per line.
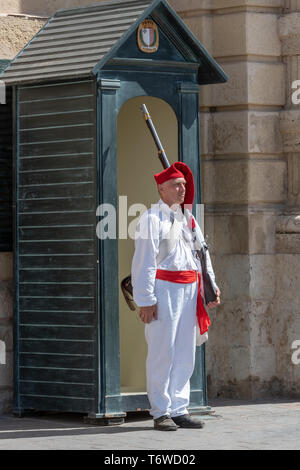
[236,425]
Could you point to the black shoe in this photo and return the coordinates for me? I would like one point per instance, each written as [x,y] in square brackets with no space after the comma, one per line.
[187,421]
[165,423]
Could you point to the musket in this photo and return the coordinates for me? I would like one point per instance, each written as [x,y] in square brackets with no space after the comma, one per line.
[161,153]
[126,284]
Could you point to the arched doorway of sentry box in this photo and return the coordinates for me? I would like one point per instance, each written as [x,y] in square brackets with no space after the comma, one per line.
[137,163]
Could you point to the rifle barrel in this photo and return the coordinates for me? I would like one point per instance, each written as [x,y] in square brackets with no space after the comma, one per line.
[161,153]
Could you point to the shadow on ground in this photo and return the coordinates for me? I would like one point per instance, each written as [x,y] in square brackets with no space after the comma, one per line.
[46,424]
[55,424]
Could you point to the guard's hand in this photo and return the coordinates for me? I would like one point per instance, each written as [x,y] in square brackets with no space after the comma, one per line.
[217,302]
[148,313]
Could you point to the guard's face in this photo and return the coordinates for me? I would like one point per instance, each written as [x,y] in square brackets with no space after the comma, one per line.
[173,191]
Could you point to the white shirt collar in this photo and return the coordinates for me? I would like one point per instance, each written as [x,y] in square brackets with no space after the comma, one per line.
[170,213]
[167,208]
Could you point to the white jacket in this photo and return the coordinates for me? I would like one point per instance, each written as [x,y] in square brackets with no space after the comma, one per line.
[154,225]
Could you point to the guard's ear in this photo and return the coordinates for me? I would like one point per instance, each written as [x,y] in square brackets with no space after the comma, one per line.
[160,188]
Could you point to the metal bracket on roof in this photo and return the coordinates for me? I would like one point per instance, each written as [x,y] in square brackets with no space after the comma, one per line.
[109,84]
[192,88]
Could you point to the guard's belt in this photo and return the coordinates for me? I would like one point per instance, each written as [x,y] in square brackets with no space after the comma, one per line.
[188,277]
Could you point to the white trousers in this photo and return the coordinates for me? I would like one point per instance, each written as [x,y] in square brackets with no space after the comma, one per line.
[171,343]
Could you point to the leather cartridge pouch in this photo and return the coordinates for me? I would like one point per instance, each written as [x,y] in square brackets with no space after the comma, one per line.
[127,290]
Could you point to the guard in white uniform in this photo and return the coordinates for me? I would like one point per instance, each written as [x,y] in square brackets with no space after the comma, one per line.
[166,287]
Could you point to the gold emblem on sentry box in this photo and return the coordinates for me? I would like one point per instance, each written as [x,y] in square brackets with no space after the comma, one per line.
[148,36]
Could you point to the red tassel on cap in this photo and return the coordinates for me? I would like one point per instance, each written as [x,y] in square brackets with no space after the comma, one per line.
[179,170]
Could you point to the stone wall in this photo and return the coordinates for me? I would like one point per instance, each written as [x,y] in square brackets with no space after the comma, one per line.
[287,300]
[251,190]
[15,32]
[43,8]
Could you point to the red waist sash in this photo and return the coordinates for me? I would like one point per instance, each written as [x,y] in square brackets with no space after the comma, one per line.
[188,277]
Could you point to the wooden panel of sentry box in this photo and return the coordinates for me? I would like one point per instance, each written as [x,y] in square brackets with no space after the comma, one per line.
[56,247]
[6,172]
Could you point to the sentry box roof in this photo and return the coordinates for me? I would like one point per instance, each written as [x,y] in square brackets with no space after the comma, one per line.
[78,42]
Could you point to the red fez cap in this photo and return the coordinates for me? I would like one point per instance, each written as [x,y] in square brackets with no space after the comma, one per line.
[179,170]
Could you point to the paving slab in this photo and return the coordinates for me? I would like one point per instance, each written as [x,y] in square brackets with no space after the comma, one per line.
[235,425]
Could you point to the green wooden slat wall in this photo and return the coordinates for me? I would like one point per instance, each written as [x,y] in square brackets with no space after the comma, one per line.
[6,168]
[56,247]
